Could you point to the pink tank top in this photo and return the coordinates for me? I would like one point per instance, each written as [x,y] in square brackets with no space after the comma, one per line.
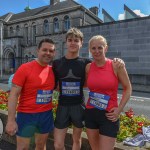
[103,81]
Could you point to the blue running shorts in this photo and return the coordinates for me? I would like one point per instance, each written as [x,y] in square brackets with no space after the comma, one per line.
[31,123]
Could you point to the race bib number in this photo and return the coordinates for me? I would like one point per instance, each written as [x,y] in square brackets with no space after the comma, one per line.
[44,96]
[71,88]
[98,100]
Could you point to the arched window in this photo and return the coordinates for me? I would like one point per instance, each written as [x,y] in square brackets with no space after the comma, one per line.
[26,58]
[56,25]
[66,23]
[46,27]
[11,58]
[33,33]
[11,31]
[26,35]
[17,30]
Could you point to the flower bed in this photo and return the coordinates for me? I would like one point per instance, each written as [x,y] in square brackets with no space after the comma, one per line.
[130,124]
[3,99]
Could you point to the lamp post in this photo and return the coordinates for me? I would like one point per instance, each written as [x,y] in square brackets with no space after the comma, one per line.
[1,27]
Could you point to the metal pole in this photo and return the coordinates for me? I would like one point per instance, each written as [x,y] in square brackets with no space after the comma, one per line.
[1,49]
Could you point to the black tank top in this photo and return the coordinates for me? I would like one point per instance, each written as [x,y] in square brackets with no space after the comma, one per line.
[70,74]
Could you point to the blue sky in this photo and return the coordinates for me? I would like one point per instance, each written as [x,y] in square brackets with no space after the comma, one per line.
[113,7]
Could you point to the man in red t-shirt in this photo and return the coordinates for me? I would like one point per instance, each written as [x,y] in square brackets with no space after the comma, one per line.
[33,84]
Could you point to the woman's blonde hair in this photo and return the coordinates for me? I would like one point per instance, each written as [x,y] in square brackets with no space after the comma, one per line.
[98,37]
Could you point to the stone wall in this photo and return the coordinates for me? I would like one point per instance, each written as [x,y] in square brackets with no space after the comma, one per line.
[129,40]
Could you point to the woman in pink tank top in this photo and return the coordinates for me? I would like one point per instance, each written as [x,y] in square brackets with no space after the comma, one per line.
[102,109]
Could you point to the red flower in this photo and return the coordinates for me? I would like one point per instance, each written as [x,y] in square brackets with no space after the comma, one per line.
[139,130]
[130,113]
[141,124]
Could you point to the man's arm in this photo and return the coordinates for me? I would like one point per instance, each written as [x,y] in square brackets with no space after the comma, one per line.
[87,68]
[11,126]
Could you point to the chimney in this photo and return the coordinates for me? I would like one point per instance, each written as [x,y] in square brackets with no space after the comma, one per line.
[94,10]
[53,2]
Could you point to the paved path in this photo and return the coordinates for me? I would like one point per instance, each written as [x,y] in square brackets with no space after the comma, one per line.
[7,146]
[3,86]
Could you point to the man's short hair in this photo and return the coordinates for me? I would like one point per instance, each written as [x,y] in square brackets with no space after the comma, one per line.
[46,40]
[74,32]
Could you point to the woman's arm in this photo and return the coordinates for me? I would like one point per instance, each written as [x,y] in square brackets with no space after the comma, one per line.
[127,90]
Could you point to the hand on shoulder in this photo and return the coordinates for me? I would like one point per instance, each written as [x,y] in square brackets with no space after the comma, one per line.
[118,63]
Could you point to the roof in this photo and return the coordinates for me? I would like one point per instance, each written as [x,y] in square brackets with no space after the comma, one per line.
[4,16]
[107,16]
[43,9]
[28,13]
[130,11]
[49,9]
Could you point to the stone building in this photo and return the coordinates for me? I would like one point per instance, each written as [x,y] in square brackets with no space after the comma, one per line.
[128,39]
[23,31]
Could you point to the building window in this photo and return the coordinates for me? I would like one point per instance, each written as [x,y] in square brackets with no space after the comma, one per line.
[46,27]
[17,30]
[33,33]
[56,25]
[11,31]
[26,58]
[26,34]
[66,23]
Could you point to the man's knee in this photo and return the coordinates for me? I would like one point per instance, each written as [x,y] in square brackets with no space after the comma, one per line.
[40,143]
[23,143]
[59,146]
[40,146]
[77,135]
[77,140]
[22,147]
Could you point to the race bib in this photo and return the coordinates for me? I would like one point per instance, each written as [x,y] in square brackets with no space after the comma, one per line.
[98,100]
[44,96]
[71,88]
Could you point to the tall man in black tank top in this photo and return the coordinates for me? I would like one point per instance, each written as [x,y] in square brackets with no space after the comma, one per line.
[70,75]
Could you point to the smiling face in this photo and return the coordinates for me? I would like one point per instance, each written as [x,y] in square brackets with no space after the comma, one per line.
[98,47]
[73,44]
[46,53]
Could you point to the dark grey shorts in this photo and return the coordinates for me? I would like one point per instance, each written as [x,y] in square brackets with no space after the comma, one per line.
[67,115]
[96,119]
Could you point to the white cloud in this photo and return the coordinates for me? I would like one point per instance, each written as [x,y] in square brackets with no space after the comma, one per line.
[121,17]
[137,12]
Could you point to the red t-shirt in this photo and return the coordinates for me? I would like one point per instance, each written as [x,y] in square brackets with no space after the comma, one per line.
[103,80]
[37,83]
